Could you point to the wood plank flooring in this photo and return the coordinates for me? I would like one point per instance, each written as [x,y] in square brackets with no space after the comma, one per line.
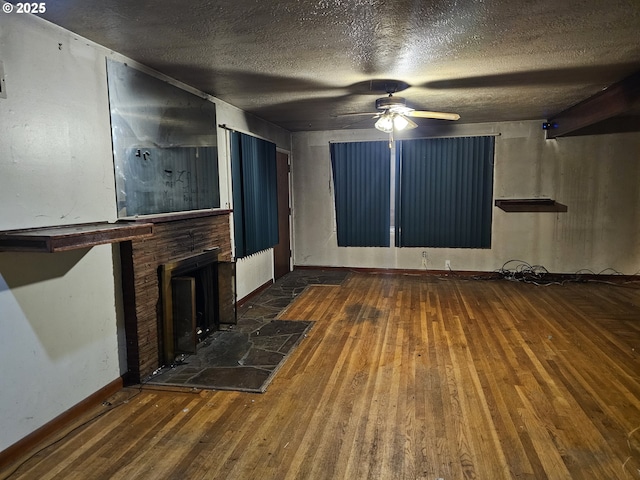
[401,377]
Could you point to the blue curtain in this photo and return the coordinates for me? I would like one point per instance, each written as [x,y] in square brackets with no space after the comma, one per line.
[361,178]
[255,197]
[444,191]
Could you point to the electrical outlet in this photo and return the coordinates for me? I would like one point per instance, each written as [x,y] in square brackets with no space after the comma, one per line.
[447,264]
[424,259]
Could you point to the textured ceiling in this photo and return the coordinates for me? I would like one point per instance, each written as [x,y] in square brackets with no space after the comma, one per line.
[299,63]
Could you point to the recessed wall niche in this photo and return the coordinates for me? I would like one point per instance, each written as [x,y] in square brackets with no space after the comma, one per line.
[165,149]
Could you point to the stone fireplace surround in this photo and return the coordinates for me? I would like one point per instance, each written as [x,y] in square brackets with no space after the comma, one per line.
[173,238]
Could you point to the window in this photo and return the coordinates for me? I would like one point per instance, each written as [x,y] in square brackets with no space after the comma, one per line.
[361,181]
[444,190]
[255,196]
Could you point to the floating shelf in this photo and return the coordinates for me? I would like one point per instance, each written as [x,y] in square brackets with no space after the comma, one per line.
[530,205]
[70,237]
[175,216]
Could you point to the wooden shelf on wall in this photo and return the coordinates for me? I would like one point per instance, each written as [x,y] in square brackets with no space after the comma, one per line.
[530,205]
[70,237]
[175,216]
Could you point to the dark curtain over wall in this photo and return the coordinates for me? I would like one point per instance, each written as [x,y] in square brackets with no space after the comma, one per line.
[255,198]
[444,190]
[362,193]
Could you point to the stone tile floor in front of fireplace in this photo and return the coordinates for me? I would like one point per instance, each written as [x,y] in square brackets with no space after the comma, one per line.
[247,355]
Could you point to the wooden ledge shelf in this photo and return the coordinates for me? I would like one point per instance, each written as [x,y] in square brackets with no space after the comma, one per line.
[71,237]
[175,216]
[530,205]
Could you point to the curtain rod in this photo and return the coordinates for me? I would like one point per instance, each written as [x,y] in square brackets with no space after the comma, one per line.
[225,127]
[418,138]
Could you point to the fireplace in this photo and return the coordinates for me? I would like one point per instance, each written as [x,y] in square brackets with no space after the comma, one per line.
[196,292]
[173,240]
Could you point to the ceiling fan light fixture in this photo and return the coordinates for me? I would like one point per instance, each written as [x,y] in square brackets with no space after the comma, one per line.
[385,123]
[394,115]
[399,122]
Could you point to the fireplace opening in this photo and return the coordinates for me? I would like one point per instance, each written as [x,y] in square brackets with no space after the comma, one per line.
[194,308]
[198,294]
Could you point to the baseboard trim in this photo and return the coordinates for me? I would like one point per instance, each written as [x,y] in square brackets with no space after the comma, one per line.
[27,444]
[402,271]
[255,293]
[471,273]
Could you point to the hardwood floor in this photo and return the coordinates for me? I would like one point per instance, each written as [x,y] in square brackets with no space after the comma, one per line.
[401,377]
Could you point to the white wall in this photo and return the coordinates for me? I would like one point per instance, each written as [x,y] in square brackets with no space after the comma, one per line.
[60,314]
[596,177]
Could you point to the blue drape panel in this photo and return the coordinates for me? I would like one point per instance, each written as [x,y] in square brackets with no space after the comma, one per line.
[361,181]
[255,195]
[236,187]
[444,192]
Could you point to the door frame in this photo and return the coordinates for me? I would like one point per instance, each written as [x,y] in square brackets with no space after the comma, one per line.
[281,152]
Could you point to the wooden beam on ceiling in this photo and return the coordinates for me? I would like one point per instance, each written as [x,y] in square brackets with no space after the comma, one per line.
[610,102]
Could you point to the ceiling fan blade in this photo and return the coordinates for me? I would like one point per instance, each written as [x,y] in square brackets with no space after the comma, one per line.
[410,123]
[599,73]
[437,115]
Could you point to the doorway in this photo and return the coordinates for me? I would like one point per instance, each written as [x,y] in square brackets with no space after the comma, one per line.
[282,251]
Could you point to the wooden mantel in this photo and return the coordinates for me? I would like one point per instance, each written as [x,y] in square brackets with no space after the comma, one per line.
[70,237]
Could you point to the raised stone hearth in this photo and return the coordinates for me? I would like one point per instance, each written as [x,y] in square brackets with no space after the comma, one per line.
[172,240]
[246,356]
[236,360]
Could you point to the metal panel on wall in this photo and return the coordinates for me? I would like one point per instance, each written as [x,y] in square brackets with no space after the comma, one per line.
[164,145]
[161,180]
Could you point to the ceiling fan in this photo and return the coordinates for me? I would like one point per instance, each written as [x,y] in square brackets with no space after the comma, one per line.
[393,114]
